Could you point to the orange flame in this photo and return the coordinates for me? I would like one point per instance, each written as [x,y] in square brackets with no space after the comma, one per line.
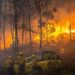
[53,31]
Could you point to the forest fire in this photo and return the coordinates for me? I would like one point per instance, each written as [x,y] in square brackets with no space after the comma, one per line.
[53,32]
[8,40]
[37,37]
[55,29]
[50,31]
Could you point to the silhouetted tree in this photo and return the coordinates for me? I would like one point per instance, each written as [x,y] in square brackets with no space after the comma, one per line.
[11,20]
[0,21]
[16,15]
[4,25]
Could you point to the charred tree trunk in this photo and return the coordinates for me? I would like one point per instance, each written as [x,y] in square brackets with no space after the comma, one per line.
[4,26]
[40,26]
[11,22]
[0,22]
[40,33]
[29,17]
[15,24]
[23,32]
[70,20]
[23,24]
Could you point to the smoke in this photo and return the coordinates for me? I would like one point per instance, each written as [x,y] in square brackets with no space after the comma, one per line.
[65,4]
[60,6]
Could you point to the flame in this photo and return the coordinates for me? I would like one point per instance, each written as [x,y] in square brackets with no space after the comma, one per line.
[53,31]
[8,40]
[50,31]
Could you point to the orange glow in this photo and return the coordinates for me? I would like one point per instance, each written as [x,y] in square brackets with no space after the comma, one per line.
[52,30]
[8,40]
[58,30]
[62,51]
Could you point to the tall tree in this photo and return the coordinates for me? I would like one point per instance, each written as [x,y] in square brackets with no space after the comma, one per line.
[70,19]
[37,4]
[29,22]
[16,14]
[23,25]
[11,21]
[4,26]
[41,7]
[0,21]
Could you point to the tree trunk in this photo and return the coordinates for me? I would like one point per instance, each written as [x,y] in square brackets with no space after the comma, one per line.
[70,20]
[23,24]
[23,32]
[40,28]
[4,26]
[11,24]
[0,21]
[30,30]
[15,25]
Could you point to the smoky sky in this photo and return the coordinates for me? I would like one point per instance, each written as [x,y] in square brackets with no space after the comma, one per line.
[65,4]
